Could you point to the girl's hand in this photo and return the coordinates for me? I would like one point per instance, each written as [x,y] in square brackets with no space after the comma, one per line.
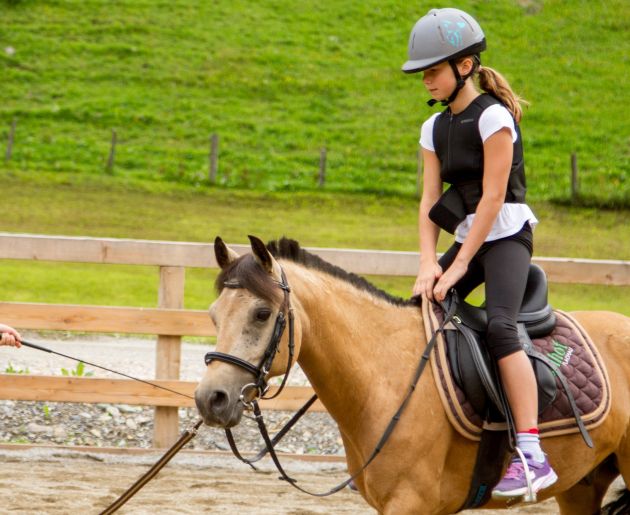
[429,272]
[10,336]
[453,274]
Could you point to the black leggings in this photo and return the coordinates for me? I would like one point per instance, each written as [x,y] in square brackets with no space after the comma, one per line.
[503,265]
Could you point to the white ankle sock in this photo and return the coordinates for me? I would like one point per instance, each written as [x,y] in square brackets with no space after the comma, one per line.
[530,443]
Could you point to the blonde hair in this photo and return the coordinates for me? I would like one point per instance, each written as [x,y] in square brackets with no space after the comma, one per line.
[491,81]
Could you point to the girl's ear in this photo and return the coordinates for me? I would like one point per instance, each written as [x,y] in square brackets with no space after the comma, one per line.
[465,66]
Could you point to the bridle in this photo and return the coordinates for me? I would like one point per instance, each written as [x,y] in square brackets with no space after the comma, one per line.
[260,386]
[260,372]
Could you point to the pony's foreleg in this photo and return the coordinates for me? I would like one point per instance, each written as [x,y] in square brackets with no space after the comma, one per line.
[585,498]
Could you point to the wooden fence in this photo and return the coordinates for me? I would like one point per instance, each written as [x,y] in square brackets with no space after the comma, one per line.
[170,322]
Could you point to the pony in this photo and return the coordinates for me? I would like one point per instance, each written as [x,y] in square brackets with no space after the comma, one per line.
[359,347]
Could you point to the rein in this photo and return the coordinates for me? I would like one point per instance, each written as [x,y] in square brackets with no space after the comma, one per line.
[260,388]
[261,371]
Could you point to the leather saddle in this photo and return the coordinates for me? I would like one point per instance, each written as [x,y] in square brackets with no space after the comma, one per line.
[472,367]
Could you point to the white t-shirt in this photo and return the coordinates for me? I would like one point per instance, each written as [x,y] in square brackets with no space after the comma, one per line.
[511,217]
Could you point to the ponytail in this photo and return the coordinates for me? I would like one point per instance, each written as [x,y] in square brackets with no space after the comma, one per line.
[491,81]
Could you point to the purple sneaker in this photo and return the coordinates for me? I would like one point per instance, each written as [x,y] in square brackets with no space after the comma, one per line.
[514,483]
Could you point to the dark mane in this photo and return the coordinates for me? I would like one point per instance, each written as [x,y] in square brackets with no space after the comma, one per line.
[246,271]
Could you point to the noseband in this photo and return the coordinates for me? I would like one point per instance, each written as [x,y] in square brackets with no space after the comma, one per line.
[273,347]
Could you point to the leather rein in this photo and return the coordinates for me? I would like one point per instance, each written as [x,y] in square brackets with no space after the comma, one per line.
[261,387]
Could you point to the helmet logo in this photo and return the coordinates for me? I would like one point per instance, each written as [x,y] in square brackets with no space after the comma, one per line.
[452,32]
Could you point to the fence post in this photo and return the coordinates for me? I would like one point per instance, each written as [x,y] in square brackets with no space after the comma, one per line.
[112,153]
[168,354]
[321,179]
[214,158]
[10,139]
[575,185]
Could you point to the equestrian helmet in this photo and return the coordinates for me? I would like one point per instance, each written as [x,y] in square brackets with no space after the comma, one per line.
[443,35]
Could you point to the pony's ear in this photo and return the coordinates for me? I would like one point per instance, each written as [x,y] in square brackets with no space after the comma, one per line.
[264,257]
[223,253]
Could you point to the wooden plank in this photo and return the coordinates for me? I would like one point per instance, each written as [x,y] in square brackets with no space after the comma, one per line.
[168,354]
[92,390]
[107,319]
[201,255]
[106,250]
[586,271]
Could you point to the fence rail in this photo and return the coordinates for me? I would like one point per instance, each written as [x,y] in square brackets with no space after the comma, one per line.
[201,255]
[170,322]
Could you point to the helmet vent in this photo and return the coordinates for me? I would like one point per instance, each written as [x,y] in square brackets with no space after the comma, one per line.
[472,29]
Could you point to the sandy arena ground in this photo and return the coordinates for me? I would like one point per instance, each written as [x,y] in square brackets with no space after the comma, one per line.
[48,481]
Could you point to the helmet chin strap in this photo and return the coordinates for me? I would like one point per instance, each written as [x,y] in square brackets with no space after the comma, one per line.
[461,81]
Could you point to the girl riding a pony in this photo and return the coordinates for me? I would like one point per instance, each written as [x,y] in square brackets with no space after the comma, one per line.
[475,145]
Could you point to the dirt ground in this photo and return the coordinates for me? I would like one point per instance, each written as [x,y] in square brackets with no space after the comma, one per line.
[49,481]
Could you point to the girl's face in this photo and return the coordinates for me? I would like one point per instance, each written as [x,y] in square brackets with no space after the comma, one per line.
[439,80]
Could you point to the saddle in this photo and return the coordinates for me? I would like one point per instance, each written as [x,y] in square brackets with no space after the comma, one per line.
[471,365]
[573,386]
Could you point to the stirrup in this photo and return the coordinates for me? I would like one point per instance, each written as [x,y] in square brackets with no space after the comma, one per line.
[530,495]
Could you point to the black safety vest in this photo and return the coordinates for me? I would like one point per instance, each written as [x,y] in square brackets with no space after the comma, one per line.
[459,148]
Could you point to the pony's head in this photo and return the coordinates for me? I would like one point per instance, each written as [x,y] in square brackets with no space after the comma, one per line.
[251,313]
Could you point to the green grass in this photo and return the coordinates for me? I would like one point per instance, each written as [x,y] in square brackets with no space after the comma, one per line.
[277,80]
[101,209]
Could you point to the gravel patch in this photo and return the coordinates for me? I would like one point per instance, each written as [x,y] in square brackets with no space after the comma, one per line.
[109,425]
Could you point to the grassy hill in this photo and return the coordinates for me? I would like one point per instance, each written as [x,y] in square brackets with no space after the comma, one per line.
[277,80]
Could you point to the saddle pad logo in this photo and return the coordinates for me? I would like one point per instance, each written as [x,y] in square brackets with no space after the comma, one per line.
[561,354]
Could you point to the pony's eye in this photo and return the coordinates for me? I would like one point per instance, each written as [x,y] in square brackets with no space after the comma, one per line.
[262,315]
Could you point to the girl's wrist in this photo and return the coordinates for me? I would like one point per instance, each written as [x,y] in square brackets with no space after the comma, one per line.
[462,261]
[428,261]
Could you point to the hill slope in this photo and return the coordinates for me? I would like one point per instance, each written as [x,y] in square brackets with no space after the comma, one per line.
[277,80]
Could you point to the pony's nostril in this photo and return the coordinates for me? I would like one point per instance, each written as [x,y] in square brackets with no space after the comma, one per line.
[218,401]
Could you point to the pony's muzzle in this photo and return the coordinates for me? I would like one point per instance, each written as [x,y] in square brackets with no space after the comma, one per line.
[215,407]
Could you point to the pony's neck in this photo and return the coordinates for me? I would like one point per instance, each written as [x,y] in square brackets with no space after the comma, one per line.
[356,349]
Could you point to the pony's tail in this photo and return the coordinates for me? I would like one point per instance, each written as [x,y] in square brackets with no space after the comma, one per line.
[491,81]
[620,506]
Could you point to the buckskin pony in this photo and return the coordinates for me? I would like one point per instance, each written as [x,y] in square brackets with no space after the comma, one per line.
[359,347]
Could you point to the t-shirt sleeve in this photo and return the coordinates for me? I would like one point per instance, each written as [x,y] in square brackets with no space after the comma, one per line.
[426,133]
[493,119]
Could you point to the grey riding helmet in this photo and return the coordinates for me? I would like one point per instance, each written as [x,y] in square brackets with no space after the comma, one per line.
[444,35]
